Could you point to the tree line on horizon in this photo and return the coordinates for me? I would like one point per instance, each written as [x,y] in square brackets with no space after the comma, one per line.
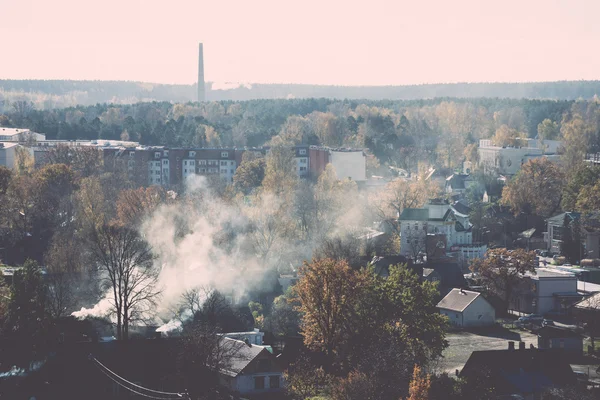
[52,94]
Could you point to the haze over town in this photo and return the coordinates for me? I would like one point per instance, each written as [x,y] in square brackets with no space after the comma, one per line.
[313,201]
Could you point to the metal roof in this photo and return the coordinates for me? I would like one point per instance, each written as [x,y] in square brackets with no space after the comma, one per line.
[458,300]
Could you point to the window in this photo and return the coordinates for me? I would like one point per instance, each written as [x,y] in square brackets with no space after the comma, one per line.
[192,162]
[185,171]
[131,153]
[166,153]
[303,161]
[223,163]
[274,382]
[231,163]
[259,382]
[302,168]
[232,171]
[202,162]
[224,154]
[157,172]
[185,163]
[157,154]
[202,169]
[223,171]
[456,315]
[192,154]
[302,152]
[165,162]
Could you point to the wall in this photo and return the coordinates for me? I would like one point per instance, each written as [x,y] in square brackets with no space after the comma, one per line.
[7,155]
[479,307]
[546,287]
[245,383]
[454,317]
[349,164]
[571,345]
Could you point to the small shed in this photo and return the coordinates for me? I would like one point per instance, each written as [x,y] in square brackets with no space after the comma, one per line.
[467,309]
[553,337]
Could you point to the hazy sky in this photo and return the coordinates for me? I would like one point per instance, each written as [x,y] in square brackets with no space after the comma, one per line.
[373,42]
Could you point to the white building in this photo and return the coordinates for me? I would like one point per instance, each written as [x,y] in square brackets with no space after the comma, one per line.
[439,217]
[349,164]
[19,135]
[253,337]
[547,290]
[8,152]
[467,309]
[508,160]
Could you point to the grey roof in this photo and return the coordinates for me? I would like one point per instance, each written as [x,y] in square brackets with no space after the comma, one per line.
[461,208]
[550,273]
[560,218]
[590,303]
[414,214]
[458,300]
[427,272]
[241,353]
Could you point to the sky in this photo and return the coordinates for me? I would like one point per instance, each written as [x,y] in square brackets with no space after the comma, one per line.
[340,42]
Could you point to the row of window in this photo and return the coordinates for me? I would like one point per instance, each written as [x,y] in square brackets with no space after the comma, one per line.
[209,162]
[157,154]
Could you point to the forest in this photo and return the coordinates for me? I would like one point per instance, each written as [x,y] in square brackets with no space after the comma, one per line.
[400,134]
[51,94]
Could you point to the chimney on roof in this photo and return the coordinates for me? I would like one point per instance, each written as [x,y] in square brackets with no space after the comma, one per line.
[247,342]
[511,345]
[521,345]
[462,291]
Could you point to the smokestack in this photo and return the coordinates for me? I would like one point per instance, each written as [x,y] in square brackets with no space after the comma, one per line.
[201,89]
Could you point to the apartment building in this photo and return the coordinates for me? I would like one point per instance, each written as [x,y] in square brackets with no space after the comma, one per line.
[507,160]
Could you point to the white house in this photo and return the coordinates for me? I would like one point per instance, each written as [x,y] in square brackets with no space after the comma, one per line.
[439,217]
[8,152]
[252,370]
[507,160]
[349,164]
[549,289]
[467,309]
[254,337]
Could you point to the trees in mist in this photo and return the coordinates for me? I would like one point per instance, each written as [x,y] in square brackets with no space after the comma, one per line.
[126,260]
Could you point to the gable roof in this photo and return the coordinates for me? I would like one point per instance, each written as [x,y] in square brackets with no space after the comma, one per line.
[414,214]
[523,371]
[461,208]
[560,218]
[458,300]
[241,355]
[591,303]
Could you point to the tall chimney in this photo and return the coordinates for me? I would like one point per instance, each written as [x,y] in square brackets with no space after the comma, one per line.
[201,89]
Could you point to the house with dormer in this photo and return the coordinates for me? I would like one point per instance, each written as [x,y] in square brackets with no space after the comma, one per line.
[447,221]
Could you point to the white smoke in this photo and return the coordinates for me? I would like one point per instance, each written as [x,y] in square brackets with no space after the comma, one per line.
[21,372]
[103,309]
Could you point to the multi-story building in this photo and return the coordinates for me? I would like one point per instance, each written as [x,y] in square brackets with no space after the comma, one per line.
[438,219]
[347,163]
[590,233]
[507,160]
[546,290]
[8,152]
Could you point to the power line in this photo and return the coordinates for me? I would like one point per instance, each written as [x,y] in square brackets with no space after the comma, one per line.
[155,394]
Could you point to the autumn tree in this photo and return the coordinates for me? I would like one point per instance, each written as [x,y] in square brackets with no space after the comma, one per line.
[571,245]
[536,189]
[280,171]
[548,130]
[327,294]
[576,135]
[83,160]
[502,270]
[506,136]
[129,274]
[135,204]
[579,187]
[249,175]
[419,385]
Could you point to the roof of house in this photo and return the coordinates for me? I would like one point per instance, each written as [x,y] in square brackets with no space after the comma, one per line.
[458,300]
[456,181]
[550,273]
[460,207]
[427,272]
[521,371]
[552,332]
[242,355]
[589,303]
[414,214]
[451,275]
[560,218]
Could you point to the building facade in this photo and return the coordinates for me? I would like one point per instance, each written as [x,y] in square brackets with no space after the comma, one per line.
[508,160]
[546,290]
[467,309]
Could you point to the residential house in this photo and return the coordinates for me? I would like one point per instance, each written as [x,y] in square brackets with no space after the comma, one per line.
[439,217]
[457,184]
[524,372]
[553,337]
[253,371]
[546,290]
[590,232]
[467,309]
[507,160]
[254,337]
[447,273]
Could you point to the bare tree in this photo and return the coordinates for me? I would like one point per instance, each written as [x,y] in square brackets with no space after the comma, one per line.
[127,261]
